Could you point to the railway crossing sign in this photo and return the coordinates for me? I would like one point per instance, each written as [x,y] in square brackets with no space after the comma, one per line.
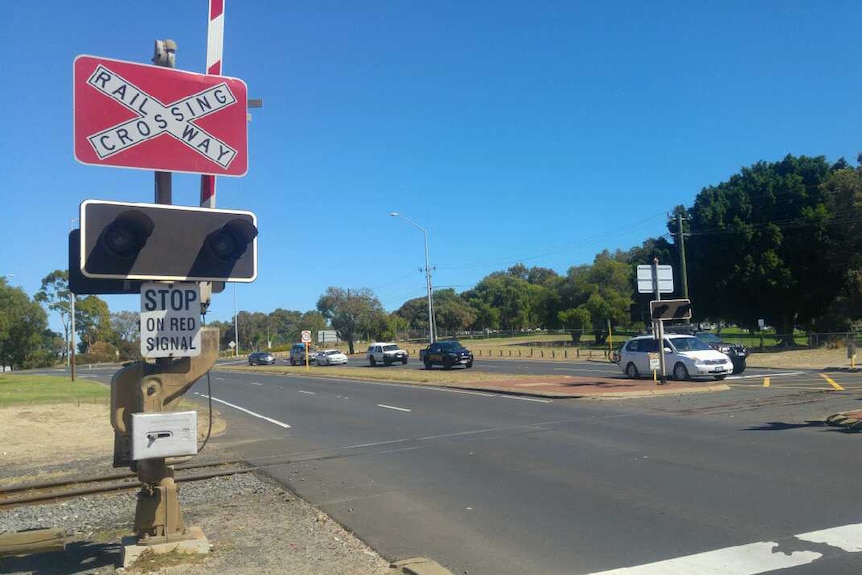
[170,325]
[155,118]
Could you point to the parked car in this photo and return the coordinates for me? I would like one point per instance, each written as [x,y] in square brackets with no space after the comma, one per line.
[331,357]
[685,356]
[737,352]
[386,353]
[261,358]
[297,354]
[447,354]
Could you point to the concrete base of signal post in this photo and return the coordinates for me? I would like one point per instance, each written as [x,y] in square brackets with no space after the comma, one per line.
[192,542]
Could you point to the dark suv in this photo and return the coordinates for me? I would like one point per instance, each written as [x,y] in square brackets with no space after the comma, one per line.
[261,358]
[297,354]
[735,351]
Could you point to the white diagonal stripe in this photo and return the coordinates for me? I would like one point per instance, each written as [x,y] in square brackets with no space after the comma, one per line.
[753,558]
[154,118]
[215,41]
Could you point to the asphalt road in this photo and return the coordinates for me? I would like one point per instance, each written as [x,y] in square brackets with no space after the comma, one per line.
[801,379]
[493,484]
[485,483]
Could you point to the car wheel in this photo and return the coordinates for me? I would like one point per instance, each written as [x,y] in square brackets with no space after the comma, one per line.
[427,363]
[719,377]
[738,366]
[373,361]
[680,372]
[469,364]
[447,363]
[387,362]
[292,361]
[404,360]
[632,371]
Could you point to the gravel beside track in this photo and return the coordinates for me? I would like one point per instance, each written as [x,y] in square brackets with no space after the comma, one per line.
[254,525]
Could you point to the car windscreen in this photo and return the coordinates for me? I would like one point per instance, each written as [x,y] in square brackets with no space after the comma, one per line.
[390,348]
[689,344]
[450,345]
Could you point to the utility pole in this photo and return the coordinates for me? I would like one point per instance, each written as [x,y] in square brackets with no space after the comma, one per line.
[680,244]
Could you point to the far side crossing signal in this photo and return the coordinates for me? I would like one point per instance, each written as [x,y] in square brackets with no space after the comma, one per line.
[164,242]
[670,309]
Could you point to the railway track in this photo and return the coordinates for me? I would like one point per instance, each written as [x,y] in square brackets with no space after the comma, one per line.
[50,492]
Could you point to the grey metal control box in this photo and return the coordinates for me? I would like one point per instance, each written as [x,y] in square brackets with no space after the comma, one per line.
[169,434]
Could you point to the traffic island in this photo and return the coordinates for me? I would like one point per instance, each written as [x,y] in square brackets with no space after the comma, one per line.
[848,420]
[576,387]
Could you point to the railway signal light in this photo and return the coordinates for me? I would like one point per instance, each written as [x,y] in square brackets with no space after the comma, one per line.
[164,242]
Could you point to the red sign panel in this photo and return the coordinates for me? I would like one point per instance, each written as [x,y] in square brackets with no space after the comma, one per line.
[153,118]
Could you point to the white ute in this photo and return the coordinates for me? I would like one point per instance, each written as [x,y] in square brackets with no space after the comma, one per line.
[386,353]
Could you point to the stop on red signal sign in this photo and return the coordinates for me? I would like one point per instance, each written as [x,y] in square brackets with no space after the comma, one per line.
[150,117]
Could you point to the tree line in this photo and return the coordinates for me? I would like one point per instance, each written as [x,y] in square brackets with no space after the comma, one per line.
[777,241]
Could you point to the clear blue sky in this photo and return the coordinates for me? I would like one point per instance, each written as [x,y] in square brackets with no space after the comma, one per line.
[532,131]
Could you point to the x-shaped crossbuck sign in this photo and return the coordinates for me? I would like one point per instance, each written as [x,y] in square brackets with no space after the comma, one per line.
[154,118]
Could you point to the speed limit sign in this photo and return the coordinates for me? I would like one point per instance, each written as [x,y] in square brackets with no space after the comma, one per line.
[306,336]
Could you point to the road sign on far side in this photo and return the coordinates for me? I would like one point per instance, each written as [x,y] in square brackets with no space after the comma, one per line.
[645,279]
[306,336]
[134,115]
[170,320]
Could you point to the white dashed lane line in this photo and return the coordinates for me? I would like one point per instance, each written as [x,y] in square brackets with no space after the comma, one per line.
[393,407]
[307,392]
[244,410]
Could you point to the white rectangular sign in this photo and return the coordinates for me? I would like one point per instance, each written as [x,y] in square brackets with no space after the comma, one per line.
[170,320]
[665,279]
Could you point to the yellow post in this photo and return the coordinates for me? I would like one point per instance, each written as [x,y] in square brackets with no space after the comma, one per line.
[610,339]
[306,356]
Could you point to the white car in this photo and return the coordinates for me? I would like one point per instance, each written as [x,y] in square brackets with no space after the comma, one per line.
[386,353]
[685,356]
[331,357]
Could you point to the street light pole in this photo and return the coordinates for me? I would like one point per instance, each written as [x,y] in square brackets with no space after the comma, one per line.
[432,331]
[72,298]
[6,280]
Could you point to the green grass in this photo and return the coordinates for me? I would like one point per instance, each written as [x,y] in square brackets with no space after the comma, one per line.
[17,389]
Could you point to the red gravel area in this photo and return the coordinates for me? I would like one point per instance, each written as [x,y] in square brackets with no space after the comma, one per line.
[576,386]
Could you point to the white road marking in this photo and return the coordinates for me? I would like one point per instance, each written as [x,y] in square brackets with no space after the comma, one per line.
[761,375]
[393,407]
[307,392]
[608,370]
[848,537]
[751,559]
[218,378]
[244,410]
[465,392]
[254,383]
[527,398]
